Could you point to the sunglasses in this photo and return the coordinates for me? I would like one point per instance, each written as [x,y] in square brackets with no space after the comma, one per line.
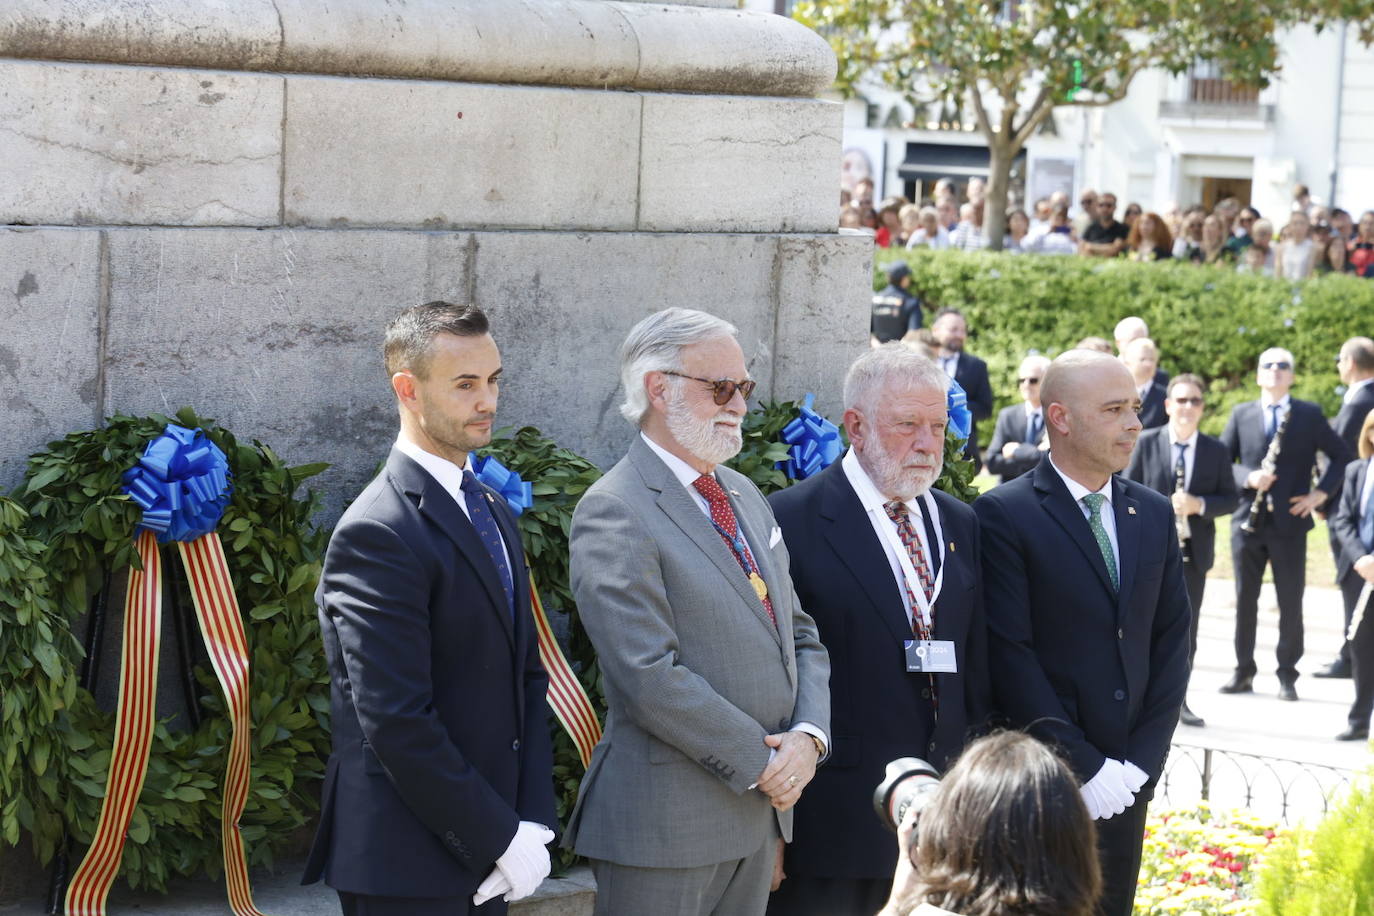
[722,389]
[1028,381]
[1282,367]
[1188,402]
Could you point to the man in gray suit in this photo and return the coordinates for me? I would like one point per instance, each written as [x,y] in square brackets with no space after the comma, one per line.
[717,685]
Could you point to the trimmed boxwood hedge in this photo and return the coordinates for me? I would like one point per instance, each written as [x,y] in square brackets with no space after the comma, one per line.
[1211,321]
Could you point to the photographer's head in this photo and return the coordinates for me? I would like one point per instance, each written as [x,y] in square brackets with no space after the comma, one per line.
[1007,835]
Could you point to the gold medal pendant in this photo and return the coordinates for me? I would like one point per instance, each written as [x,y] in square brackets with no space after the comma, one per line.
[760,587]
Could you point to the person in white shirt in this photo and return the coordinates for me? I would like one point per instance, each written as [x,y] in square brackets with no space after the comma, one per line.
[929,233]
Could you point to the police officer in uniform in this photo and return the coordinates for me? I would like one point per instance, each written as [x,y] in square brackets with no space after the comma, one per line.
[895,310]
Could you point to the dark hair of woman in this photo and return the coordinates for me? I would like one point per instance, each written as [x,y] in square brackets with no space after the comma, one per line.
[1008,835]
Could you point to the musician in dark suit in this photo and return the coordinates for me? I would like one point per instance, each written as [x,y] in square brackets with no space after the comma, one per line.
[1286,500]
[1141,356]
[1194,471]
[439,790]
[1354,527]
[1088,614]
[950,330]
[1019,440]
[1127,330]
[1356,367]
[875,554]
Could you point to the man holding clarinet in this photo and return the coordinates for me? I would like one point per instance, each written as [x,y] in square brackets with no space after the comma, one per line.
[1273,443]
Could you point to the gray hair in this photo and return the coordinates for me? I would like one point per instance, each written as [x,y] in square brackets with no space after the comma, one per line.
[892,366]
[655,345]
[1130,327]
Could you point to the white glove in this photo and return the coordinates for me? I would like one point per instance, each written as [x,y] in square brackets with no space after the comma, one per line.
[494,885]
[525,863]
[1135,777]
[1109,789]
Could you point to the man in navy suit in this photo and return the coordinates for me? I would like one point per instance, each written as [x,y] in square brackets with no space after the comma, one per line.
[847,530]
[1141,357]
[1356,366]
[950,330]
[1178,454]
[439,793]
[1019,440]
[1088,614]
[1285,512]
[1354,527]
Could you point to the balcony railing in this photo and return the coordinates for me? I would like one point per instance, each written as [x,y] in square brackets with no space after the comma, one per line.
[1203,94]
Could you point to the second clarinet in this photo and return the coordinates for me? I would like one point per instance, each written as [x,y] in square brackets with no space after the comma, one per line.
[1181,526]
[1263,503]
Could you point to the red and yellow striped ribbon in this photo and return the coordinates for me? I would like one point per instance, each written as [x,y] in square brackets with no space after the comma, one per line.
[569,701]
[221,626]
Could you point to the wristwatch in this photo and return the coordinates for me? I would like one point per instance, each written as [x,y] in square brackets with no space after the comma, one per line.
[820,745]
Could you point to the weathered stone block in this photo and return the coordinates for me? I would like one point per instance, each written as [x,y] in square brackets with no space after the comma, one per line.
[49,352]
[84,145]
[721,164]
[277,335]
[456,155]
[561,305]
[823,313]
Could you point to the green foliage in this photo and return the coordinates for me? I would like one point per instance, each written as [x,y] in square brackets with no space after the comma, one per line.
[1210,321]
[763,445]
[1329,870]
[82,527]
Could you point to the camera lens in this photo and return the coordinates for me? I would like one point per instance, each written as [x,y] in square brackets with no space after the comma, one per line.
[907,781]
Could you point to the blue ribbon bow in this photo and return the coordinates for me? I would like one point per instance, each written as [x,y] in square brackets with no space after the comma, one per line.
[814,441]
[181,483]
[960,417]
[519,494]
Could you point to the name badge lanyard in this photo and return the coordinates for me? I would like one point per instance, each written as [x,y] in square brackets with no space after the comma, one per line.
[923,605]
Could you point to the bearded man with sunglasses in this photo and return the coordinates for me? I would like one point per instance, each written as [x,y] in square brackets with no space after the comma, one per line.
[717,685]
[1194,471]
[1279,538]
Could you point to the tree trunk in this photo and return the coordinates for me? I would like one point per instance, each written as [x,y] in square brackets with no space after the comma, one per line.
[1000,157]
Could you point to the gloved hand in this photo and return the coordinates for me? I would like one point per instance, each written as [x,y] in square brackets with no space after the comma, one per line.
[494,885]
[1135,776]
[1109,790]
[525,863]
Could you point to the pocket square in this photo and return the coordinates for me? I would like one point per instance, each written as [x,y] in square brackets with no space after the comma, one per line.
[775,536]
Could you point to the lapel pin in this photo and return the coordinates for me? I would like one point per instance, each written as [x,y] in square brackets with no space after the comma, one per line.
[489,499]
[951,547]
[735,493]
[1130,510]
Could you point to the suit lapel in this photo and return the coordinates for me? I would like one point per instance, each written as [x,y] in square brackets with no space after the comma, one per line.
[1127,513]
[757,539]
[435,504]
[849,529]
[1166,462]
[1056,500]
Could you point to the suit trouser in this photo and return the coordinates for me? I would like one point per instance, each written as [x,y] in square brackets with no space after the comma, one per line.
[738,887]
[807,896]
[1361,651]
[368,905]
[1120,840]
[1286,555]
[1344,655]
[1195,580]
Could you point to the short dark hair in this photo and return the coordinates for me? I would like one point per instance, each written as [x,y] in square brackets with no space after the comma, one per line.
[1008,833]
[1188,378]
[411,334]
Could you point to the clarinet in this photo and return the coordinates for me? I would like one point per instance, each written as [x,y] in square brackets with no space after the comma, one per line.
[1270,463]
[1185,543]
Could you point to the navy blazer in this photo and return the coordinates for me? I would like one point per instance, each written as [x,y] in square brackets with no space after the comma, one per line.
[1011,427]
[878,711]
[972,375]
[441,740]
[1152,463]
[1099,671]
[1345,524]
[1152,413]
[1306,434]
[1347,424]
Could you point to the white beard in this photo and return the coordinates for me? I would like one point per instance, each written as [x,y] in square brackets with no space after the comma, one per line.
[708,442]
[895,480]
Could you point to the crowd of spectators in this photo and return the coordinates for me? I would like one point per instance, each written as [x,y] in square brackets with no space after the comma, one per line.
[1310,239]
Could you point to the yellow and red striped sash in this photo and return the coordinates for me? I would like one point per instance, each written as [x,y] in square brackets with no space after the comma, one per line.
[568,700]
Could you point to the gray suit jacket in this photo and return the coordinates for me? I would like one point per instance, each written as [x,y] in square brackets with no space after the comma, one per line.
[695,673]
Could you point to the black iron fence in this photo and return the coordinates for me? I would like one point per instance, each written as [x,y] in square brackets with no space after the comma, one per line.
[1274,787]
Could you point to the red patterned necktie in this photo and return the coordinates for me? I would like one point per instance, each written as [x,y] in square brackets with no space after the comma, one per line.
[897,511]
[723,517]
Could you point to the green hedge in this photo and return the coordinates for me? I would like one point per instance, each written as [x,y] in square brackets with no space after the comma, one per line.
[1206,320]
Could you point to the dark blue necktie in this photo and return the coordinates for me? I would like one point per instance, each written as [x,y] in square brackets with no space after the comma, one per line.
[490,535]
[1180,466]
[1273,425]
[1033,435]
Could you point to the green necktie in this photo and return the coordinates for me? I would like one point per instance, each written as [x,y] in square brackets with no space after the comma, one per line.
[1094,503]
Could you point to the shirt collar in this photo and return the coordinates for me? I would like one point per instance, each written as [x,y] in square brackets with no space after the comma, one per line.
[1190,441]
[448,474]
[869,497]
[1266,403]
[1356,386]
[1076,489]
[684,472]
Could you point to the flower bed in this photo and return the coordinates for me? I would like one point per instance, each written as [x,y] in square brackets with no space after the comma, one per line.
[1198,862]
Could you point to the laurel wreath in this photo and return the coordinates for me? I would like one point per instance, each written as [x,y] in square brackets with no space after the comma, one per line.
[68,531]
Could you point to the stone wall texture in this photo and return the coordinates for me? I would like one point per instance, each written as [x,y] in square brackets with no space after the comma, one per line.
[221,203]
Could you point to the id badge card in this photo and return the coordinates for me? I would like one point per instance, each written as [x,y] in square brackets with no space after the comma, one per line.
[930,656]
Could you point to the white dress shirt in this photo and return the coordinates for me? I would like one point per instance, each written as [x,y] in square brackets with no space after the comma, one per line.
[1078,491]
[898,560]
[1354,389]
[949,363]
[1285,403]
[450,477]
[1188,455]
[1032,412]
